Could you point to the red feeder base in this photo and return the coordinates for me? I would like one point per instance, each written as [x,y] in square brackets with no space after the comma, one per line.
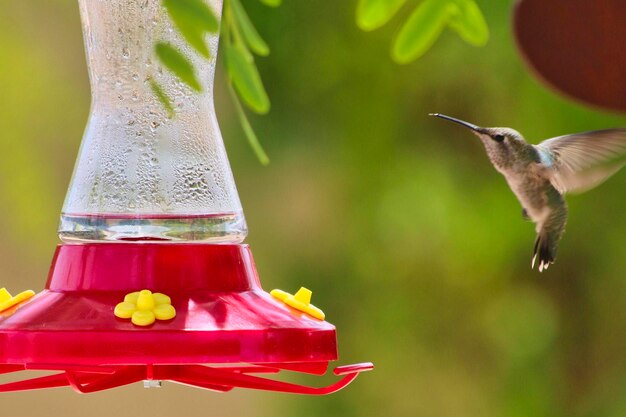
[222,317]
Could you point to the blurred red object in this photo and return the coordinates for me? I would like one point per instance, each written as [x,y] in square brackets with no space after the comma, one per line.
[576,46]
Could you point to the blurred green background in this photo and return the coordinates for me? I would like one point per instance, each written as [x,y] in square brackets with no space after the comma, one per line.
[412,243]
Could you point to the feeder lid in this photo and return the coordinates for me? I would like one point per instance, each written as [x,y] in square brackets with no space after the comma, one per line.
[194,303]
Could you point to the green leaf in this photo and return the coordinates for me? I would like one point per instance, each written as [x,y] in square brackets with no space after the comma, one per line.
[192,14]
[163,98]
[248,31]
[176,62]
[246,79]
[421,30]
[272,3]
[253,140]
[372,14]
[469,23]
[196,40]
[193,18]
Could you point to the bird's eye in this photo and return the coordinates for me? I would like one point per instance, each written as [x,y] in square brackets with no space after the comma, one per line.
[498,138]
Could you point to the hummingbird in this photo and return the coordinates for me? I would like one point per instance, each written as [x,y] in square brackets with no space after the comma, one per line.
[540,175]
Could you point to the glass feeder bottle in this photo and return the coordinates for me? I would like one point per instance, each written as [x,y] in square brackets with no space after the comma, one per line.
[142,175]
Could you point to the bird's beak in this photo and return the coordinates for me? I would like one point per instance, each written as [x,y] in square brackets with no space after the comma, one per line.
[475,128]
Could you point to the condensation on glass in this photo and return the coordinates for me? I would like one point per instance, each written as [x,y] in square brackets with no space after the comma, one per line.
[141,176]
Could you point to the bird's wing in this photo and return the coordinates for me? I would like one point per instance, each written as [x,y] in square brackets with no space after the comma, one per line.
[581,161]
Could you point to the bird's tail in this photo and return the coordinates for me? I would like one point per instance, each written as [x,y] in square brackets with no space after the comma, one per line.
[545,250]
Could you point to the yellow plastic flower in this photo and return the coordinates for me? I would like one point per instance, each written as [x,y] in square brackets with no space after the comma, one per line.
[144,307]
[7,300]
[300,301]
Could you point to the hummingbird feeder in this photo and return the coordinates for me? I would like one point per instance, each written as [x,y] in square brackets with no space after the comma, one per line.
[152,282]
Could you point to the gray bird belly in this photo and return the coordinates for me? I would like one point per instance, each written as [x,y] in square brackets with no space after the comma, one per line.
[537,196]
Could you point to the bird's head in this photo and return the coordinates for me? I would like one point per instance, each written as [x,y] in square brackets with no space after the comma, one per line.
[505,146]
